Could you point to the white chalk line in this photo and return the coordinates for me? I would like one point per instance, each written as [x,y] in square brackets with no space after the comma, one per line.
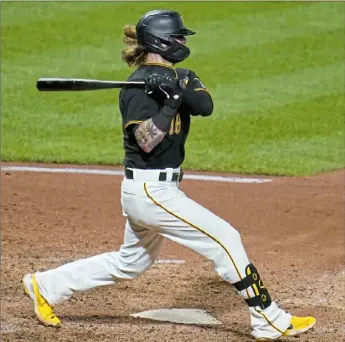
[201,177]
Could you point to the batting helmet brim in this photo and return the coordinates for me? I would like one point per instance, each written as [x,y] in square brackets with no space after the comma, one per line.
[183,32]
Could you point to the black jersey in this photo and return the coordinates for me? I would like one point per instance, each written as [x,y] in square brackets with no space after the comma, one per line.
[136,106]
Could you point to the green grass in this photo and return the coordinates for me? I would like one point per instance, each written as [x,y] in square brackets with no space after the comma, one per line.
[275,70]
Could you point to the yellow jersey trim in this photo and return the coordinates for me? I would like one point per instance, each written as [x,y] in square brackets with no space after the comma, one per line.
[163,65]
[201,89]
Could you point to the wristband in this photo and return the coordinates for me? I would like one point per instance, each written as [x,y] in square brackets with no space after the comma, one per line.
[163,119]
[168,111]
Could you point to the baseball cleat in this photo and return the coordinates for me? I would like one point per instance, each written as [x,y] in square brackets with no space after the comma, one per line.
[44,312]
[297,326]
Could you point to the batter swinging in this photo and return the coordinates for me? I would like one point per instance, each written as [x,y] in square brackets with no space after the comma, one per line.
[155,126]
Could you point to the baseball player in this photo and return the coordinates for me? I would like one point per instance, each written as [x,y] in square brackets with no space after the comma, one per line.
[156,122]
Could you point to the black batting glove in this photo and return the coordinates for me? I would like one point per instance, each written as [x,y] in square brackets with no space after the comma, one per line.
[152,82]
[167,87]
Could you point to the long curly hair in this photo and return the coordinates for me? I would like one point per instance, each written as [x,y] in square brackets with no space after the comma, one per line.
[134,54]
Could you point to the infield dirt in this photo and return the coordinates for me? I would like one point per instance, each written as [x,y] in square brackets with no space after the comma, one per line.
[292,228]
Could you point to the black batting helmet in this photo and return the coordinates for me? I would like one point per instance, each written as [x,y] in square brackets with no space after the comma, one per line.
[157,32]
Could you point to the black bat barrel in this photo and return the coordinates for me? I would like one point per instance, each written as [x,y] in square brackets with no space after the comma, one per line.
[79,84]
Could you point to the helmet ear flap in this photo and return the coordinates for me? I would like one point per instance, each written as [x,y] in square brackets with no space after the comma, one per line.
[155,44]
[151,43]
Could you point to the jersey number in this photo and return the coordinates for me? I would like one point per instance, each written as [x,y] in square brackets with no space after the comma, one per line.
[175,127]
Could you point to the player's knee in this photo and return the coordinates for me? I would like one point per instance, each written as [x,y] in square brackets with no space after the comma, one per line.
[134,269]
[233,234]
[124,267]
[143,266]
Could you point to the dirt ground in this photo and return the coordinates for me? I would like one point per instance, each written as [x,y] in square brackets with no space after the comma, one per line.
[292,228]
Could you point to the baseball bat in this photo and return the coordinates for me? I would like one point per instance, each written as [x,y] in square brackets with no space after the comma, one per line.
[80,84]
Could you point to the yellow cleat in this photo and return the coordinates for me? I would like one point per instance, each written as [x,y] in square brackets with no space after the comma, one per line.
[43,310]
[298,325]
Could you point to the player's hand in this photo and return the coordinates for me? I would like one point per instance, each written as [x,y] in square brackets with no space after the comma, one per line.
[152,81]
[167,87]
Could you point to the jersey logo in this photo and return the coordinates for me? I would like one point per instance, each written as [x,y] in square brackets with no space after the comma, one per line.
[185,81]
[175,127]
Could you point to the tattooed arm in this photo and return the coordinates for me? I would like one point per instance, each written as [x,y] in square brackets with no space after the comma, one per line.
[152,131]
[148,136]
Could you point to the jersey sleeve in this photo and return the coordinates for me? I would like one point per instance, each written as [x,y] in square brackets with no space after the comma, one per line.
[195,83]
[192,80]
[136,107]
[196,96]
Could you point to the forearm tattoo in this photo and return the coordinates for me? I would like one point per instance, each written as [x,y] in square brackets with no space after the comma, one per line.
[148,136]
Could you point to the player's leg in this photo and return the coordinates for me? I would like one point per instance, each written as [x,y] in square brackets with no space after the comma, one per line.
[138,252]
[186,222]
